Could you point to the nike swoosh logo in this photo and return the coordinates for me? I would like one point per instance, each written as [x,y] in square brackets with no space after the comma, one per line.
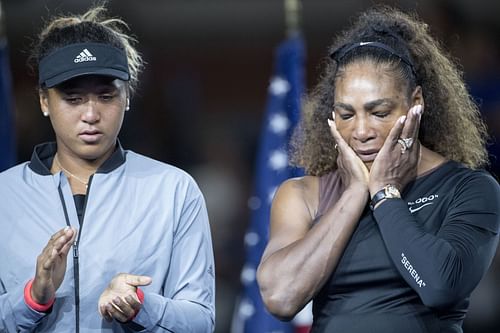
[419,208]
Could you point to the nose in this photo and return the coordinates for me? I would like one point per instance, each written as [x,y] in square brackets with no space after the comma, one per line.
[362,129]
[91,113]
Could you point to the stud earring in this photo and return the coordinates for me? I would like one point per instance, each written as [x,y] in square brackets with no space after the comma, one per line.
[45,114]
[128,105]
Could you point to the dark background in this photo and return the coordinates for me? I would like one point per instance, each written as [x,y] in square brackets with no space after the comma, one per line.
[202,95]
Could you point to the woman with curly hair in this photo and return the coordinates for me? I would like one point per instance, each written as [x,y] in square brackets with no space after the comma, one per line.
[135,230]
[395,223]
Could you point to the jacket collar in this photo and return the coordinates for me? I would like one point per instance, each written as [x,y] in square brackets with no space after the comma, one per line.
[43,156]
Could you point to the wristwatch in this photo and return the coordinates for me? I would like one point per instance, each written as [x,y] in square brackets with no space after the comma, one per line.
[387,192]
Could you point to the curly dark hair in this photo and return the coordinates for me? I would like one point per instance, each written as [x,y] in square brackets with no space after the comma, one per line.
[451,124]
[92,26]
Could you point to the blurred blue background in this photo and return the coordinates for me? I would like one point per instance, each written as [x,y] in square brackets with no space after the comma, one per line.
[202,96]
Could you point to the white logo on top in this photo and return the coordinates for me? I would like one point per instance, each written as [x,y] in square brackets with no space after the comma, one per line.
[85,55]
[415,206]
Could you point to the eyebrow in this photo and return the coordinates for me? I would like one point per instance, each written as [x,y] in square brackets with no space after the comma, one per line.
[367,106]
[344,106]
[383,101]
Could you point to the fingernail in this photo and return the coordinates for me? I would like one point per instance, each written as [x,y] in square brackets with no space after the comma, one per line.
[330,122]
[66,228]
[418,111]
[402,119]
[333,115]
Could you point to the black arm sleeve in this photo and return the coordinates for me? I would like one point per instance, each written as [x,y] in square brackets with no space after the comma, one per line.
[444,268]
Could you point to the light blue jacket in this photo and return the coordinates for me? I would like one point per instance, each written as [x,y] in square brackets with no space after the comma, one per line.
[142,217]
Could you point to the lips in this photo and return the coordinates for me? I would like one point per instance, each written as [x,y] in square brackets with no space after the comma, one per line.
[367,155]
[90,136]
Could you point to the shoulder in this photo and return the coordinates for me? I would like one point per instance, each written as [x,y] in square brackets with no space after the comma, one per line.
[456,176]
[12,170]
[13,174]
[475,192]
[159,172]
[478,180]
[140,163]
[459,186]
[479,184]
[305,185]
[301,191]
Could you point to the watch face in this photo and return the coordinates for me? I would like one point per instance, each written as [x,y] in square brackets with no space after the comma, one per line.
[392,192]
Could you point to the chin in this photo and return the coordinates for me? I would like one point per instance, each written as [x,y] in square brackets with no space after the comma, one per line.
[91,153]
[89,157]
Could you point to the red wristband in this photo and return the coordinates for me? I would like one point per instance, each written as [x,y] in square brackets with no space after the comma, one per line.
[34,305]
[140,295]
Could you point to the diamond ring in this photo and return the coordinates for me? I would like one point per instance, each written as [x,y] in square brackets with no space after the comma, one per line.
[405,144]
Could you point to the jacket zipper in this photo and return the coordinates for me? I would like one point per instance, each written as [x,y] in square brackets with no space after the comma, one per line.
[76,267]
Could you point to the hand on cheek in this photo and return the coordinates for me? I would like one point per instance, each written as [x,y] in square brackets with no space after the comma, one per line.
[397,161]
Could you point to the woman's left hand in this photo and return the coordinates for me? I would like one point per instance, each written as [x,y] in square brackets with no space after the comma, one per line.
[120,301]
[396,163]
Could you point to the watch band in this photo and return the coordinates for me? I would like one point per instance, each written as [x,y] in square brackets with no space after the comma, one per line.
[387,192]
[379,196]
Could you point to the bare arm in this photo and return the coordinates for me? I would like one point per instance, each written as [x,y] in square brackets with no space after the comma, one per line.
[300,256]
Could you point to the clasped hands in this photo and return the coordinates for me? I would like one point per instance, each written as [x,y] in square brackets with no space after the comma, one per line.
[395,163]
[118,301]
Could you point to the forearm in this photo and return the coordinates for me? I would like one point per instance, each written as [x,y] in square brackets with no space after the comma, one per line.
[291,276]
[160,314]
[441,268]
[186,300]
[15,314]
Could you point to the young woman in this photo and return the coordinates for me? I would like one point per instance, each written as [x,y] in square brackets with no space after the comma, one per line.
[136,230]
[396,223]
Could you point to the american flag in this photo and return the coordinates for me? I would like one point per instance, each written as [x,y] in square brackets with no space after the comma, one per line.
[7,143]
[282,114]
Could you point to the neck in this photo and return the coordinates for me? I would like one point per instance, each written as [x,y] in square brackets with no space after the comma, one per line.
[81,165]
[428,160]
[77,175]
[77,169]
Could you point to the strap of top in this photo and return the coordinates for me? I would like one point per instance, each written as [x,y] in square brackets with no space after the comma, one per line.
[330,190]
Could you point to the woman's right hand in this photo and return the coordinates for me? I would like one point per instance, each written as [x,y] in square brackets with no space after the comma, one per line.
[352,170]
[51,265]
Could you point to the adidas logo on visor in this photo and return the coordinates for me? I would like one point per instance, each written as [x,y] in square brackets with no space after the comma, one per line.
[85,55]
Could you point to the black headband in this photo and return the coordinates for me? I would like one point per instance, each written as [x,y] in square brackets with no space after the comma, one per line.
[82,59]
[339,53]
